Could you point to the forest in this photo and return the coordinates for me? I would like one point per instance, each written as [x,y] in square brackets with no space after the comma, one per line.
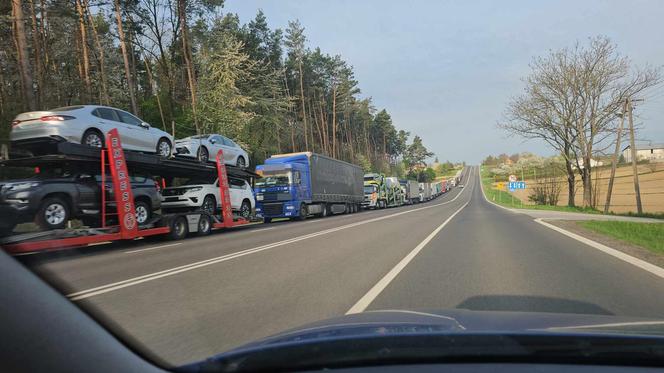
[188,67]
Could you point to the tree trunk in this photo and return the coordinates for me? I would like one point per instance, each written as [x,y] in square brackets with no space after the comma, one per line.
[22,56]
[334,121]
[37,53]
[586,176]
[102,63]
[186,52]
[148,70]
[125,57]
[84,50]
[571,187]
[132,62]
[304,114]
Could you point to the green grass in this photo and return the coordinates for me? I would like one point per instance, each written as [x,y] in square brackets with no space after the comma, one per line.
[646,235]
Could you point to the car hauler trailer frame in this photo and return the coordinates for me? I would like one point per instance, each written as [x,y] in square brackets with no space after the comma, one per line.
[114,159]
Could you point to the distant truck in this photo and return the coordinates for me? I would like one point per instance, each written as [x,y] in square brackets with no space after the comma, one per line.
[297,185]
[375,191]
[425,192]
[411,190]
[396,196]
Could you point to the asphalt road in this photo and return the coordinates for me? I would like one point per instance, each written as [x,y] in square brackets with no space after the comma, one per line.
[191,299]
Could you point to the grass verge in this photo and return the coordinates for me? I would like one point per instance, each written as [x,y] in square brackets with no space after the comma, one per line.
[646,235]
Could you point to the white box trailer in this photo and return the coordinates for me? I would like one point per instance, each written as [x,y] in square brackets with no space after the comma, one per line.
[413,191]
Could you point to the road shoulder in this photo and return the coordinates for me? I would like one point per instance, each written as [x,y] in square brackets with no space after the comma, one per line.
[622,246]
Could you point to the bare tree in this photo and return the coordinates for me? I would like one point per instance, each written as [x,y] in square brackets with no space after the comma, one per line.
[101,59]
[186,52]
[603,80]
[125,57]
[571,101]
[546,111]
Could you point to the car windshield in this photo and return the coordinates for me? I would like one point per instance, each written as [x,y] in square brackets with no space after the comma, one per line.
[398,167]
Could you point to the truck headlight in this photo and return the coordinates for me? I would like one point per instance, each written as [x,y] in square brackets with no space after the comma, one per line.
[194,189]
[290,207]
[259,197]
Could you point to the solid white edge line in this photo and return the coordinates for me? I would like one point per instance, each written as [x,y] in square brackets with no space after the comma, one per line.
[152,248]
[655,270]
[479,175]
[187,267]
[375,291]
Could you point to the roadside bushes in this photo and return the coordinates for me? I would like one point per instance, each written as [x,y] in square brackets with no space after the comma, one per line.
[545,192]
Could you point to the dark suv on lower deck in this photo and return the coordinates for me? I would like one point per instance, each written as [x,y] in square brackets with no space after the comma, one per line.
[53,196]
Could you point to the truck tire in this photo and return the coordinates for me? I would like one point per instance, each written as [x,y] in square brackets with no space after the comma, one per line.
[179,228]
[325,212]
[204,225]
[267,220]
[303,212]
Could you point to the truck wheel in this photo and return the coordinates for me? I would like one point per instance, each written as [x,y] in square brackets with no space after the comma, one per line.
[53,213]
[324,213]
[204,225]
[303,212]
[267,220]
[179,228]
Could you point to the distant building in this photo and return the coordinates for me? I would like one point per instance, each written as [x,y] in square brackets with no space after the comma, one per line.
[593,163]
[652,152]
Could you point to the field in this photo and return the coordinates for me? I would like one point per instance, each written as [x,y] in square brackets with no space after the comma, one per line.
[651,179]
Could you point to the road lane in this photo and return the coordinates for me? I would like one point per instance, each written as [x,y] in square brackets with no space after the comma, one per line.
[76,270]
[498,260]
[197,313]
[461,251]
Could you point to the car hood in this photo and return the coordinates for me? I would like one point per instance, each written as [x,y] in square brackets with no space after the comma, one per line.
[386,322]
[406,336]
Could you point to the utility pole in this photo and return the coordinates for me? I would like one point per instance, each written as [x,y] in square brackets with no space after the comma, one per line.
[637,190]
[614,162]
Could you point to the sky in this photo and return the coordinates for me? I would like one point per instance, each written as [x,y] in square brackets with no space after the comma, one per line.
[445,70]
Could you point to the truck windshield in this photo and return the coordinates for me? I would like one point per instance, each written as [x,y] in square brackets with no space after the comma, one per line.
[272,179]
[368,189]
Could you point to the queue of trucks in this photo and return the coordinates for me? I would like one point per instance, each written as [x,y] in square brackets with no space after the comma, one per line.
[381,191]
[292,186]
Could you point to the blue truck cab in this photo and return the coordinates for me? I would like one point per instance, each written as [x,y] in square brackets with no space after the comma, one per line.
[282,188]
[296,185]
